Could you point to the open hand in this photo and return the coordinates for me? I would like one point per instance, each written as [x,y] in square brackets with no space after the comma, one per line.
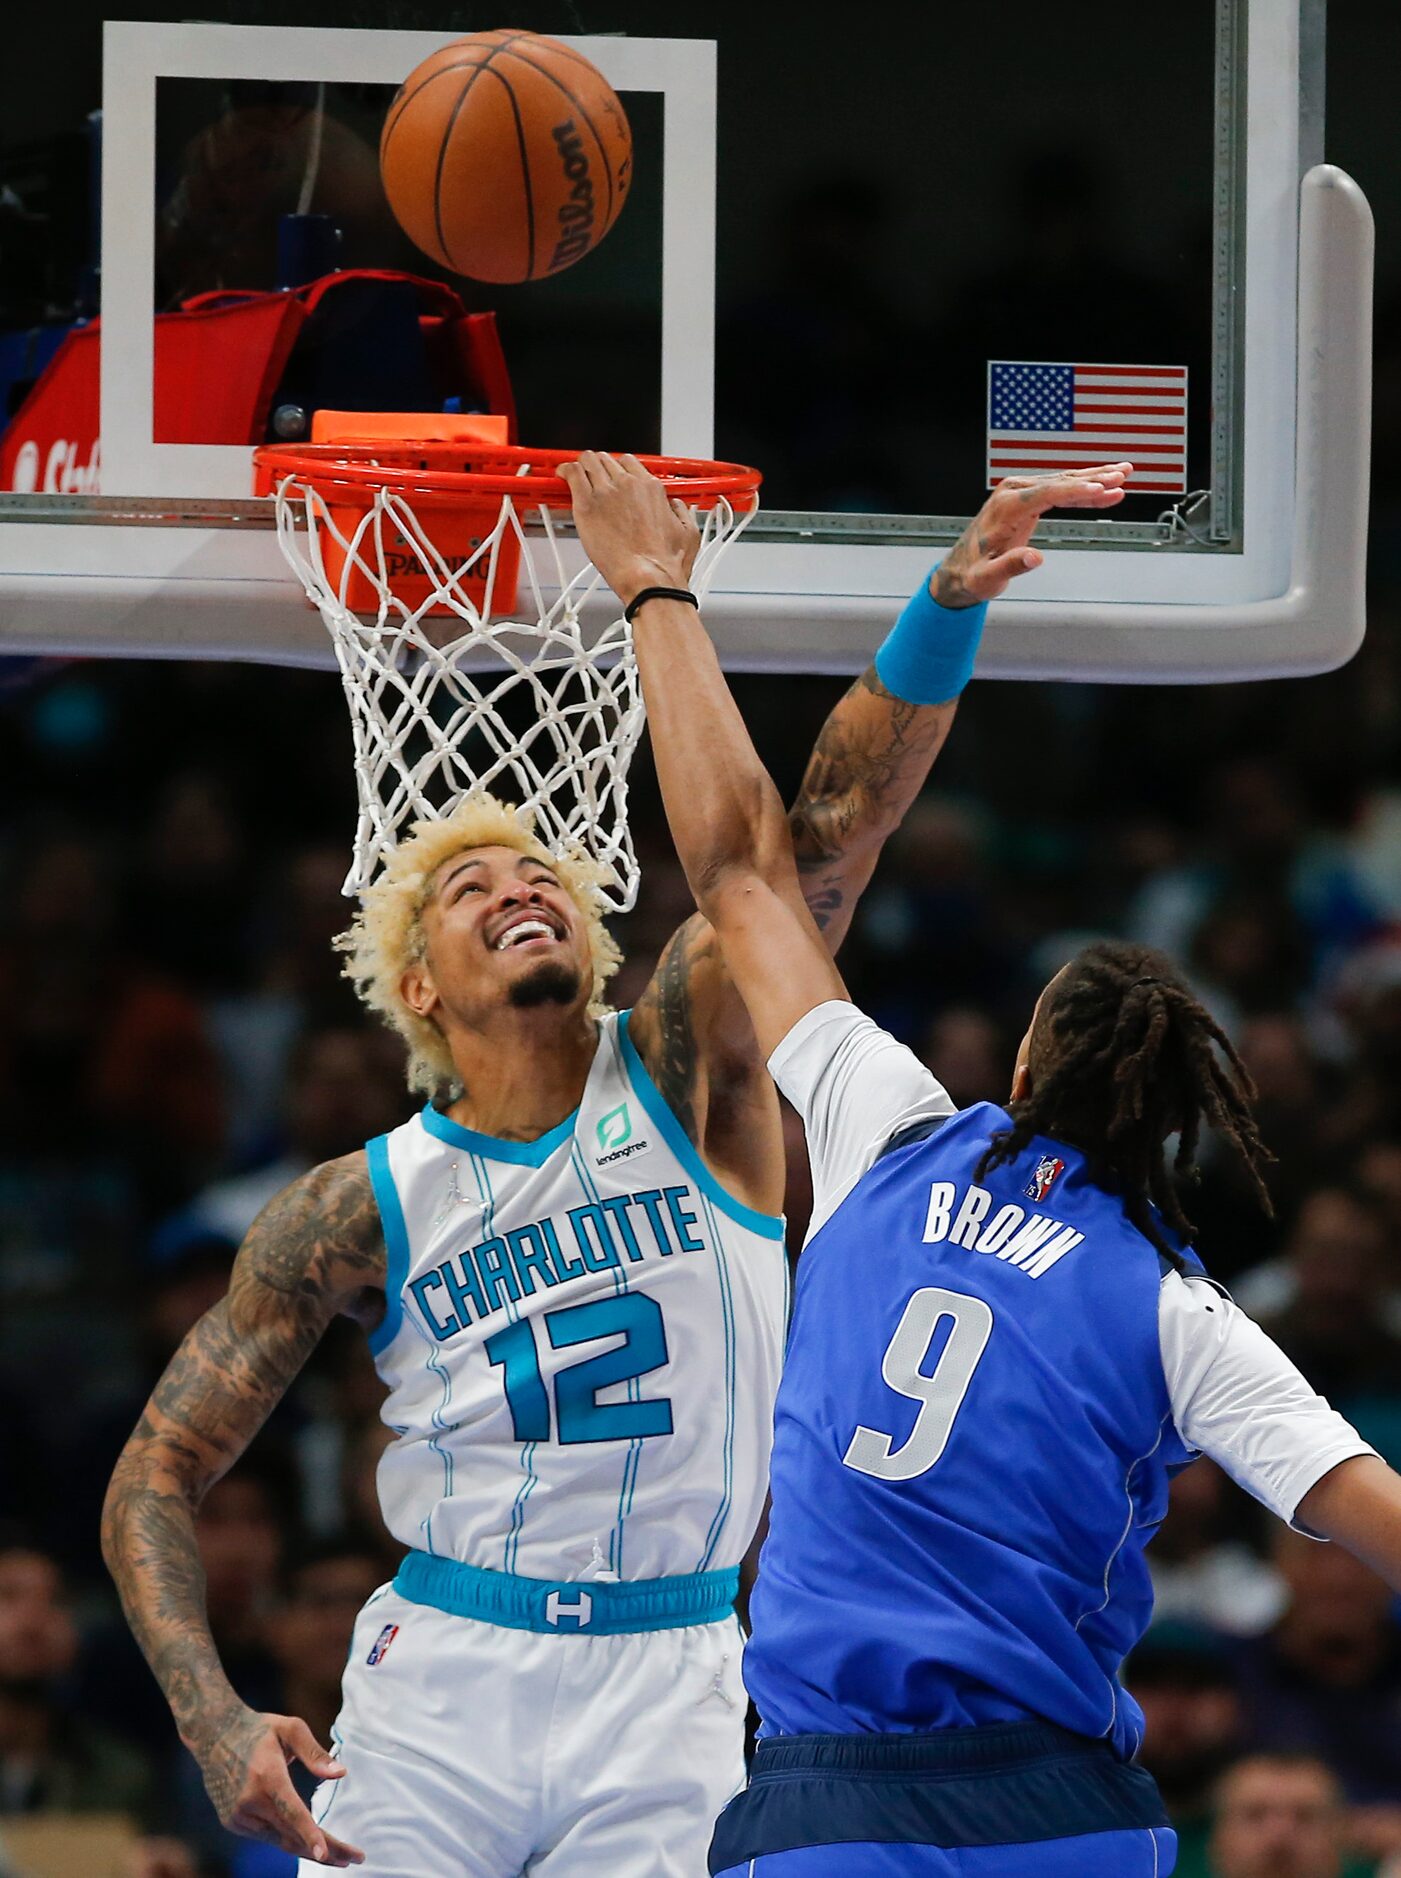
[245,1771]
[634,533]
[993,549]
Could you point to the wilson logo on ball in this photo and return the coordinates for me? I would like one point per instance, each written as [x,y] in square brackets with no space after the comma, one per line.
[576,216]
[506,155]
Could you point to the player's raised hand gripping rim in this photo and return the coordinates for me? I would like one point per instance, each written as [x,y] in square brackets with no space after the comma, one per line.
[247,1777]
[993,549]
[635,535]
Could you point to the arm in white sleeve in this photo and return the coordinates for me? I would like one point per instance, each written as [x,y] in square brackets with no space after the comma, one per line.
[854,1087]
[1237,1397]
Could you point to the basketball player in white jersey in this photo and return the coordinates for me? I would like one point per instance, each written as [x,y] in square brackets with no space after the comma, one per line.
[570,1266]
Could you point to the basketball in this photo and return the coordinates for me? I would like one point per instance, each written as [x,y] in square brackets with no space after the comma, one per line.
[506,156]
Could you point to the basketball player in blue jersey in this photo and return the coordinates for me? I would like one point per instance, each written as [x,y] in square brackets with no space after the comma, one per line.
[1001,1348]
[571,1269]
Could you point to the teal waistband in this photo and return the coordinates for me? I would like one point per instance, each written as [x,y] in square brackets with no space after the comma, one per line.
[598,1608]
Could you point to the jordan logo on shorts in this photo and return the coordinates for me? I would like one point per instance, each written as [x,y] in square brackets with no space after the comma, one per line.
[578,1613]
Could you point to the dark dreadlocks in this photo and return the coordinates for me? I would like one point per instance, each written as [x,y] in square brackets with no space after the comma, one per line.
[1122,1056]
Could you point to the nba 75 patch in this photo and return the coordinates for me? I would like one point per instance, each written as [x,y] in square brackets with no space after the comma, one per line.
[1048,1172]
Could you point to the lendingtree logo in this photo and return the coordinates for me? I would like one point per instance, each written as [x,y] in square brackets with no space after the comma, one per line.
[615,1127]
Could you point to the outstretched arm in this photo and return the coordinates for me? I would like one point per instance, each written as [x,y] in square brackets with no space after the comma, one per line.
[871,759]
[874,753]
[725,815]
[315,1251]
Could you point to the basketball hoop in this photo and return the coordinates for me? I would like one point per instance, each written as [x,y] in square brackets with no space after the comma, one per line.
[415,554]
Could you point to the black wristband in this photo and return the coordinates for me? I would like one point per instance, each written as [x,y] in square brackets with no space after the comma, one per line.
[658,593]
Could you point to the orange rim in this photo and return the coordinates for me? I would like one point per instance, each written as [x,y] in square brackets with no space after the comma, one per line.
[460,474]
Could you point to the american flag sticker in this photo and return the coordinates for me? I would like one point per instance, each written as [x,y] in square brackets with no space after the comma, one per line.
[381,1644]
[1044,417]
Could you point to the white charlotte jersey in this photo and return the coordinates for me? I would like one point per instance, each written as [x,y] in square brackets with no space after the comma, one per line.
[582,1341]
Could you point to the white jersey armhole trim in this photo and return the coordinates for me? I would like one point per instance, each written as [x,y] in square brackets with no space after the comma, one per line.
[396,1243]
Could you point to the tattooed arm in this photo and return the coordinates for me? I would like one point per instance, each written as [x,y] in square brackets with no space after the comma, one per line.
[874,753]
[315,1251]
[869,763]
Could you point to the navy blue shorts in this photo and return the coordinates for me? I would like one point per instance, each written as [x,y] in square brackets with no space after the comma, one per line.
[1019,1799]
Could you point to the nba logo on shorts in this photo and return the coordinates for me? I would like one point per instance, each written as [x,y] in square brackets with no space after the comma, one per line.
[381,1644]
[1048,1171]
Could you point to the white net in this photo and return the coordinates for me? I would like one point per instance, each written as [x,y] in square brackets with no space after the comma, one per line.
[446,700]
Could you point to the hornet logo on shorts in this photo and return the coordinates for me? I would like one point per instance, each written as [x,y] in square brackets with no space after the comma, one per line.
[381,1644]
[1048,1171]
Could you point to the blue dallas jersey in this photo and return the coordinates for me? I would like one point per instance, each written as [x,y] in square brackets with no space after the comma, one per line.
[972,1448]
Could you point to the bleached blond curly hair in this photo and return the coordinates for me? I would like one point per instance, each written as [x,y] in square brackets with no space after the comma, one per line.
[386,936]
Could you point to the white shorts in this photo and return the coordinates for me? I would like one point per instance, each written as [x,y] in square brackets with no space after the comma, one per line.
[474,1751]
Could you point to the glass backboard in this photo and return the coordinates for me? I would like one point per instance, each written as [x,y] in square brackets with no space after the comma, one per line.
[845,257]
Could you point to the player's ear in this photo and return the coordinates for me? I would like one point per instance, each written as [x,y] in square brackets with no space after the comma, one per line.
[1021,1082]
[418,991]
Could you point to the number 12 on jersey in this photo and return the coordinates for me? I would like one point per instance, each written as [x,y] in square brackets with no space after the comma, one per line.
[579,1415]
[940,1394]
